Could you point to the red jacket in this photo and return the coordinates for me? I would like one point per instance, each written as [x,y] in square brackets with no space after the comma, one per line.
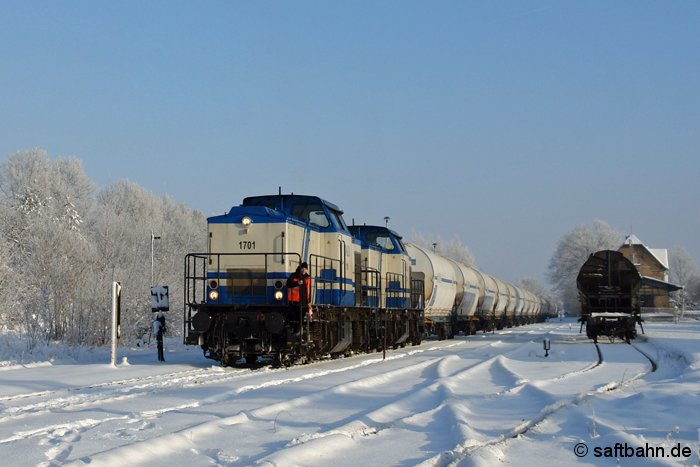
[299,288]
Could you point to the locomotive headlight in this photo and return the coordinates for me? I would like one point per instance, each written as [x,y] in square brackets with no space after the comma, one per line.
[279,295]
[246,221]
[213,295]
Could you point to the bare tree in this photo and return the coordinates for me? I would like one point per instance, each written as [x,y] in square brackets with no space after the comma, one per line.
[572,251]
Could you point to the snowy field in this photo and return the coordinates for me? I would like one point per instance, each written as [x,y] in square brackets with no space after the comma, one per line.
[489,399]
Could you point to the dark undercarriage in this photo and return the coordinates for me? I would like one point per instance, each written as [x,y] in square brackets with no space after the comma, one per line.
[251,335]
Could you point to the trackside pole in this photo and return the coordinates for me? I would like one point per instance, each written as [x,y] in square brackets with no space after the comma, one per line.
[384,347]
[116,315]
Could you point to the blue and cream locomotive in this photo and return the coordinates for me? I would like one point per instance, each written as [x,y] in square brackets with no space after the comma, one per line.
[237,305]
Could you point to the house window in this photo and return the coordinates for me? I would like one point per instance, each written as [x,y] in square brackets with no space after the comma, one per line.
[647,301]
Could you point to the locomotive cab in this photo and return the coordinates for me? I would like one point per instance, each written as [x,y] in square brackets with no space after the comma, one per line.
[384,272]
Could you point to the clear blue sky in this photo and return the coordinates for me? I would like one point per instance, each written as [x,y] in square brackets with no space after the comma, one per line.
[507,123]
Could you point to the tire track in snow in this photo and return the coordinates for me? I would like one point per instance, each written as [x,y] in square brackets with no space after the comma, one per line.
[468,448]
[102,393]
[187,437]
[116,390]
[65,400]
[406,403]
[401,412]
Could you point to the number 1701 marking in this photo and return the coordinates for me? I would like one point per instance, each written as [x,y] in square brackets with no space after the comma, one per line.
[246,245]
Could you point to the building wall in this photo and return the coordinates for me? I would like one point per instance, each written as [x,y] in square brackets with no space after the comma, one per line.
[648,265]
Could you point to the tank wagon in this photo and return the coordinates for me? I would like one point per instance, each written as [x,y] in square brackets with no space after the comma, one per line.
[608,286]
[368,289]
[462,299]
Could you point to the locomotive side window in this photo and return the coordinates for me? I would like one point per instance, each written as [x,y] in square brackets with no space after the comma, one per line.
[311,214]
[318,218]
[383,241]
[339,220]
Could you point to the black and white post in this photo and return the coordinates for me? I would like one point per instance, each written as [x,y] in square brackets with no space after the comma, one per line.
[154,237]
[116,317]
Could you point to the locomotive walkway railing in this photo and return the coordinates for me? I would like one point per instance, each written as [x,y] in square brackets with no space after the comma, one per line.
[370,290]
[248,283]
[329,285]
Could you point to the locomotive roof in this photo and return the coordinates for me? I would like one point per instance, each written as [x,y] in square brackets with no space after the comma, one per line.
[357,229]
[279,201]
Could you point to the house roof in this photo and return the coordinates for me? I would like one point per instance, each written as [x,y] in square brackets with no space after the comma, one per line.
[667,286]
[659,254]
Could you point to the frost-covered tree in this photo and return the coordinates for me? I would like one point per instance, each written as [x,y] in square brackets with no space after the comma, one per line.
[36,188]
[682,266]
[683,271]
[126,217]
[536,287]
[8,286]
[455,249]
[62,244]
[693,290]
[44,205]
[572,251]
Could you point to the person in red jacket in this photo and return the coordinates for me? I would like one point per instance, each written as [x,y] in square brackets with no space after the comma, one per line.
[299,289]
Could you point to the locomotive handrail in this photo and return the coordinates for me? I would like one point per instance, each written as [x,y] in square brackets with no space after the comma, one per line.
[189,260]
[197,274]
[319,267]
[417,294]
[342,262]
[372,284]
[399,294]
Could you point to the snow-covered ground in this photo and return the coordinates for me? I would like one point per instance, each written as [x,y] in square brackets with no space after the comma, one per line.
[487,399]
